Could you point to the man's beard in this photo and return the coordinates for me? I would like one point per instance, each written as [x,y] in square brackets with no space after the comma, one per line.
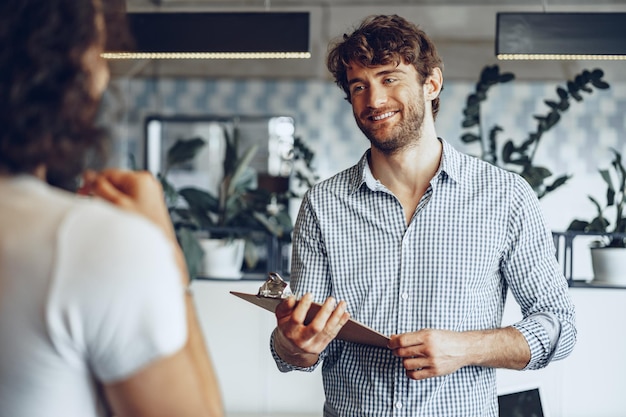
[403,134]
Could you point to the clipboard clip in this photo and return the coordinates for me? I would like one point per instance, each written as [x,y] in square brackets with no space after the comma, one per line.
[274,287]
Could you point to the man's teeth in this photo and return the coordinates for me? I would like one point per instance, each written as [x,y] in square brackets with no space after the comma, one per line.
[383,116]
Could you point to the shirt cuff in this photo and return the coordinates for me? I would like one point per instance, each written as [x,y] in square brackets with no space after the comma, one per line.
[286,366]
[542,333]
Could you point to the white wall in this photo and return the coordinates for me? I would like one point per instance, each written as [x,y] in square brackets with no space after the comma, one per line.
[237,335]
[590,382]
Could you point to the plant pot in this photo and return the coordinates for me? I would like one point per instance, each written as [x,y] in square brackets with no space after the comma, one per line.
[223,258]
[609,265]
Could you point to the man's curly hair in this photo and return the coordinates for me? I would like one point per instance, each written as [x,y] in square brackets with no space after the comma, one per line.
[381,40]
[46,112]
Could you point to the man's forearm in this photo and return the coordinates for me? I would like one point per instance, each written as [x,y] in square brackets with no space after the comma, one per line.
[498,348]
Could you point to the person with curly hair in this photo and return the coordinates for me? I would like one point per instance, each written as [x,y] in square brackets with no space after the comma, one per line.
[420,242]
[95,318]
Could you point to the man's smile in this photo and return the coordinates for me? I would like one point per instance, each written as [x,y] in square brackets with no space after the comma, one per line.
[382,116]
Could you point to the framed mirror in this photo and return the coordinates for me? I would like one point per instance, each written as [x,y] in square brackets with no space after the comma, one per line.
[271,164]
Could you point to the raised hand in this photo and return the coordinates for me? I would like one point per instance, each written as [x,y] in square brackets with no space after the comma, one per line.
[300,342]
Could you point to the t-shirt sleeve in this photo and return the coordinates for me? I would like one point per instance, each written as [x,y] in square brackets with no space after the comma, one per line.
[120,292]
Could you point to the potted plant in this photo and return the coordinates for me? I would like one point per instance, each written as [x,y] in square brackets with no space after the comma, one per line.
[608,253]
[208,223]
[519,158]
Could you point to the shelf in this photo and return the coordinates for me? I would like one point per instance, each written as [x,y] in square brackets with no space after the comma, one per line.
[585,284]
[563,242]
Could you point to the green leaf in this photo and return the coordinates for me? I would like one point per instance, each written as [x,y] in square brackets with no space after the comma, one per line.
[573,91]
[171,196]
[183,150]
[598,206]
[562,93]
[596,74]
[560,181]
[585,76]
[469,122]
[578,226]
[552,104]
[563,105]
[241,167]
[599,84]
[506,77]
[132,162]
[230,155]
[539,172]
[470,137]
[599,224]
[507,151]
[471,111]
[472,100]
[192,251]
[552,119]
[201,204]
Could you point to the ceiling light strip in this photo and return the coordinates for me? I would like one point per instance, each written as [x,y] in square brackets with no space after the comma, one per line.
[559,57]
[561,36]
[205,55]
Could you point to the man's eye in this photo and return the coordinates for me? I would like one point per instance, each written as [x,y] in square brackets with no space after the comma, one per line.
[357,88]
[389,80]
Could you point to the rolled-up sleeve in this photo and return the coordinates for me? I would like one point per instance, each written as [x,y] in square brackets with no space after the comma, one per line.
[537,282]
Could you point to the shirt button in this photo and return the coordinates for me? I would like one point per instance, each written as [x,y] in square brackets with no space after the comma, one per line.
[404,296]
[399,405]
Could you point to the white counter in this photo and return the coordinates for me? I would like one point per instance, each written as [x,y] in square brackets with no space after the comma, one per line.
[591,382]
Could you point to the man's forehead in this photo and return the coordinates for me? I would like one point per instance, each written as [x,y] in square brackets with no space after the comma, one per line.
[381,69]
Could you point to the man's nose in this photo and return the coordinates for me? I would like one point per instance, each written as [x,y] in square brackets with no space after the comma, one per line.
[377,97]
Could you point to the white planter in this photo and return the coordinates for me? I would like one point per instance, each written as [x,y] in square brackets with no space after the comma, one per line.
[223,258]
[609,265]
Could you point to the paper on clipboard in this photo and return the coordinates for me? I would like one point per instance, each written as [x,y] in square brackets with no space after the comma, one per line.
[352,331]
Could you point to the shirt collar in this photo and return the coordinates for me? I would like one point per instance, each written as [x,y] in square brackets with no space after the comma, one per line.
[450,162]
[448,166]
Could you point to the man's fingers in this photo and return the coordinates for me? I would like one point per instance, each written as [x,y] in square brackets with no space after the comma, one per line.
[285,308]
[328,321]
[302,308]
[338,318]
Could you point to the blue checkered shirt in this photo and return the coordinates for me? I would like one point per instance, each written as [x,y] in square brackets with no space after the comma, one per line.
[477,232]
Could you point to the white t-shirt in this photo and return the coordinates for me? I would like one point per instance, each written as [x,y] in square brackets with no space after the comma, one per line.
[88,294]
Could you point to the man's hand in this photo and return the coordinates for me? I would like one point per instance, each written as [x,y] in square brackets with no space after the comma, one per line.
[429,353]
[300,343]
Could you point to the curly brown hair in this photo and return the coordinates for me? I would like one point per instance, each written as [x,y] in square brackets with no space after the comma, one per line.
[46,110]
[381,40]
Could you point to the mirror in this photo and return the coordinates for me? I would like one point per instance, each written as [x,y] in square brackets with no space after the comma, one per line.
[271,165]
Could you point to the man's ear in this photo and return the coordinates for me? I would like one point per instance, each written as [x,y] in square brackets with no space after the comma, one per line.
[433,84]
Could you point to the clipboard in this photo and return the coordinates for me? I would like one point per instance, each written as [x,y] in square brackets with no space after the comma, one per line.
[352,331]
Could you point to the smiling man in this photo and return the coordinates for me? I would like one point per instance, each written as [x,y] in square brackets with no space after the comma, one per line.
[420,242]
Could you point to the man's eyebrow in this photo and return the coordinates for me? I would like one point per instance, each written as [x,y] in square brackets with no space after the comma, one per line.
[378,74]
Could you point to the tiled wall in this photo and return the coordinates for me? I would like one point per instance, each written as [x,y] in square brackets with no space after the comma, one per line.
[578,145]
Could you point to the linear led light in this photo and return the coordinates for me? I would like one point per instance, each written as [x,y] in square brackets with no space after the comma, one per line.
[254,35]
[206,55]
[561,36]
[559,57]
